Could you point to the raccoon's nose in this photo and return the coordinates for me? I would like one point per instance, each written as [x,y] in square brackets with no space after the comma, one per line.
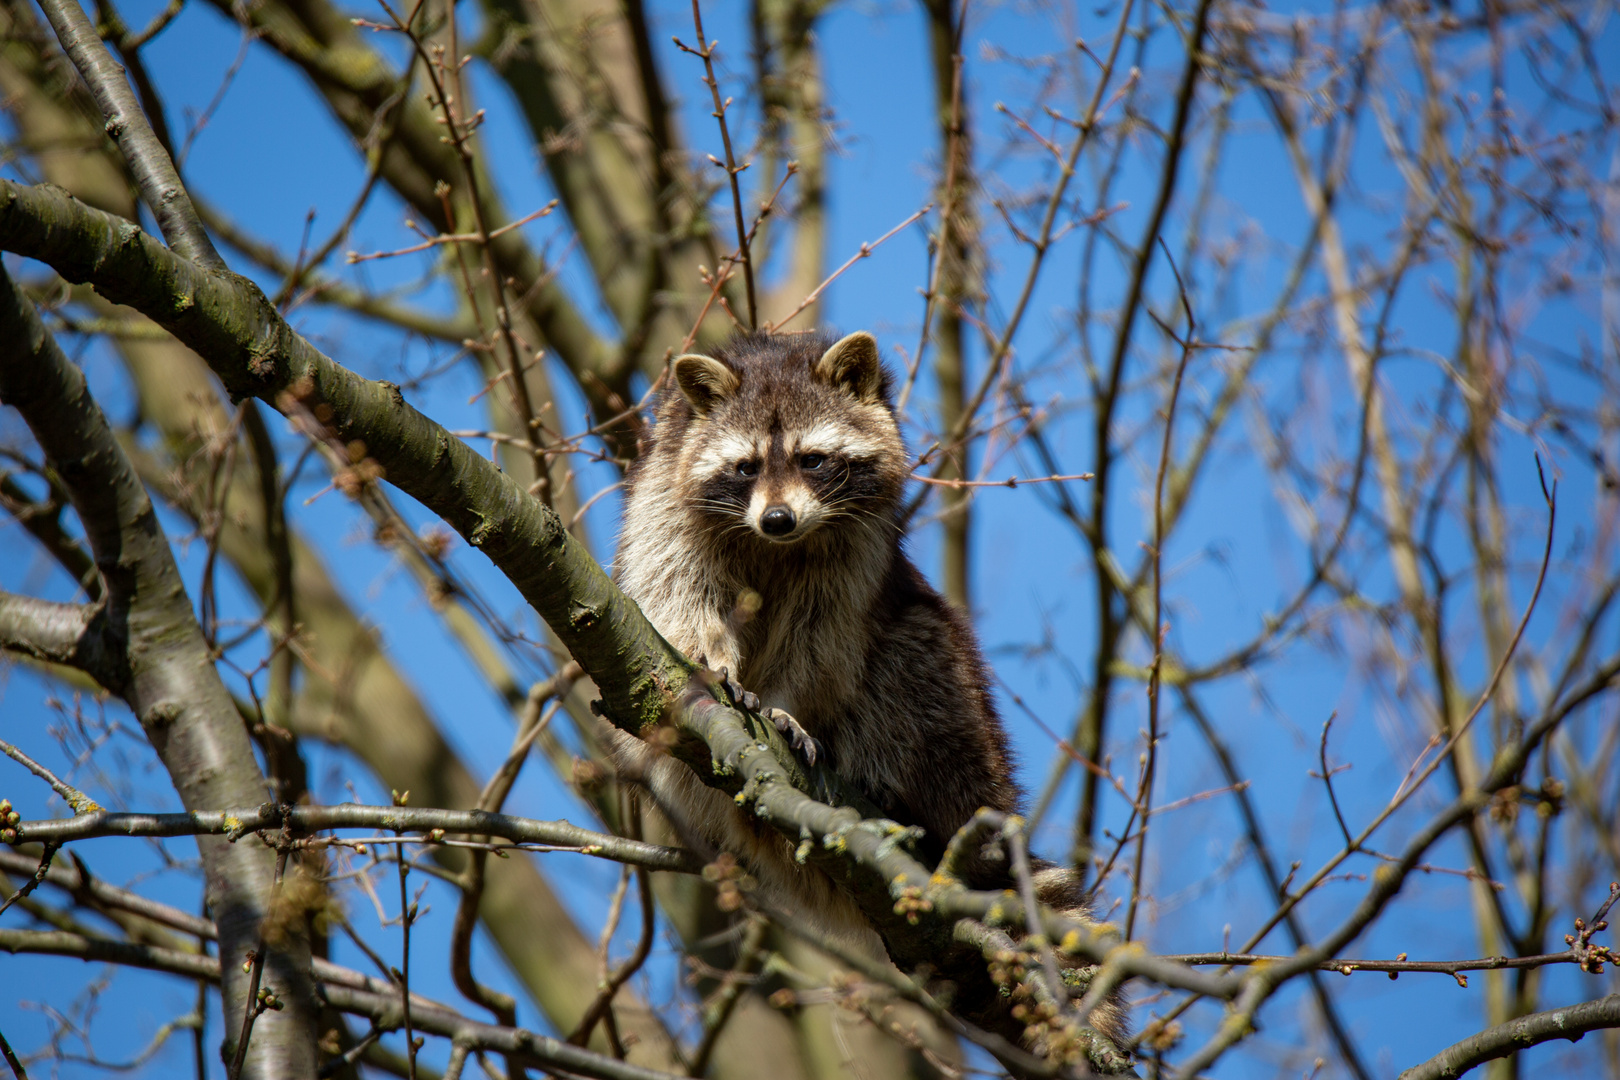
[777,521]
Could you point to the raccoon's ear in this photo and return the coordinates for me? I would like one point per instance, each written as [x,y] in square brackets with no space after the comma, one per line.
[704,381]
[853,363]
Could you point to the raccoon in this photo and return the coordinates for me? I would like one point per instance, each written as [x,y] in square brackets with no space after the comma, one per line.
[762,534]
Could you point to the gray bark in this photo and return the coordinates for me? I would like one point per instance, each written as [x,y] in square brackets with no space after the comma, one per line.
[160,665]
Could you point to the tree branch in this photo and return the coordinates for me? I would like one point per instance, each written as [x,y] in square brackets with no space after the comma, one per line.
[353,694]
[357,80]
[43,520]
[172,684]
[230,323]
[68,634]
[148,161]
[346,990]
[1504,1039]
[307,819]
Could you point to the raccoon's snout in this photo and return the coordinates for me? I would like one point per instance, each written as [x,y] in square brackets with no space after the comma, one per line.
[777,521]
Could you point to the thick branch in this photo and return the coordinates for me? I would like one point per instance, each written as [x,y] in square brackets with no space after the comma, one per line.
[172,685]
[68,634]
[90,891]
[357,81]
[229,322]
[354,690]
[148,161]
[370,707]
[1520,1034]
[869,855]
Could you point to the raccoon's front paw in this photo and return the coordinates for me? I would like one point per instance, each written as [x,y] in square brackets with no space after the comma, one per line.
[803,744]
[738,694]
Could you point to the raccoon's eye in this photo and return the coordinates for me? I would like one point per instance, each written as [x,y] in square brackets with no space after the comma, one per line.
[747,468]
[812,461]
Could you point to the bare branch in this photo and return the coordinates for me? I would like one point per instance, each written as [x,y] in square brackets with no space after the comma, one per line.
[705,51]
[70,634]
[172,686]
[865,251]
[433,824]
[81,803]
[16,1066]
[382,1007]
[43,520]
[154,172]
[1570,1023]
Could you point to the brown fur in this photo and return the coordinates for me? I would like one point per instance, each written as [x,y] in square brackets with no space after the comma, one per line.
[831,623]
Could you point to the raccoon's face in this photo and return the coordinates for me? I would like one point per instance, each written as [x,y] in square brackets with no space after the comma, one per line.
[784,444]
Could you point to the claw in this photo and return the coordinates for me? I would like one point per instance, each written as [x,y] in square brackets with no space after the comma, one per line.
[803,745]
[746,699]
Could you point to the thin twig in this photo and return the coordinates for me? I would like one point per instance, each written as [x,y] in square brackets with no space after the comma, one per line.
[257,1001]
[1144,794]
[78,800]
[1402,796]
[716,282]
[947,212]
[17,1069]
[1043,242]
[1384,886]
[1327,779]
[720,1005]
[1393,968]
[705,51]
[866,250]
[407,915]
[459,133]
[433,824]
[452,238]
[601,1007]
[40,872]
[1010,482]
